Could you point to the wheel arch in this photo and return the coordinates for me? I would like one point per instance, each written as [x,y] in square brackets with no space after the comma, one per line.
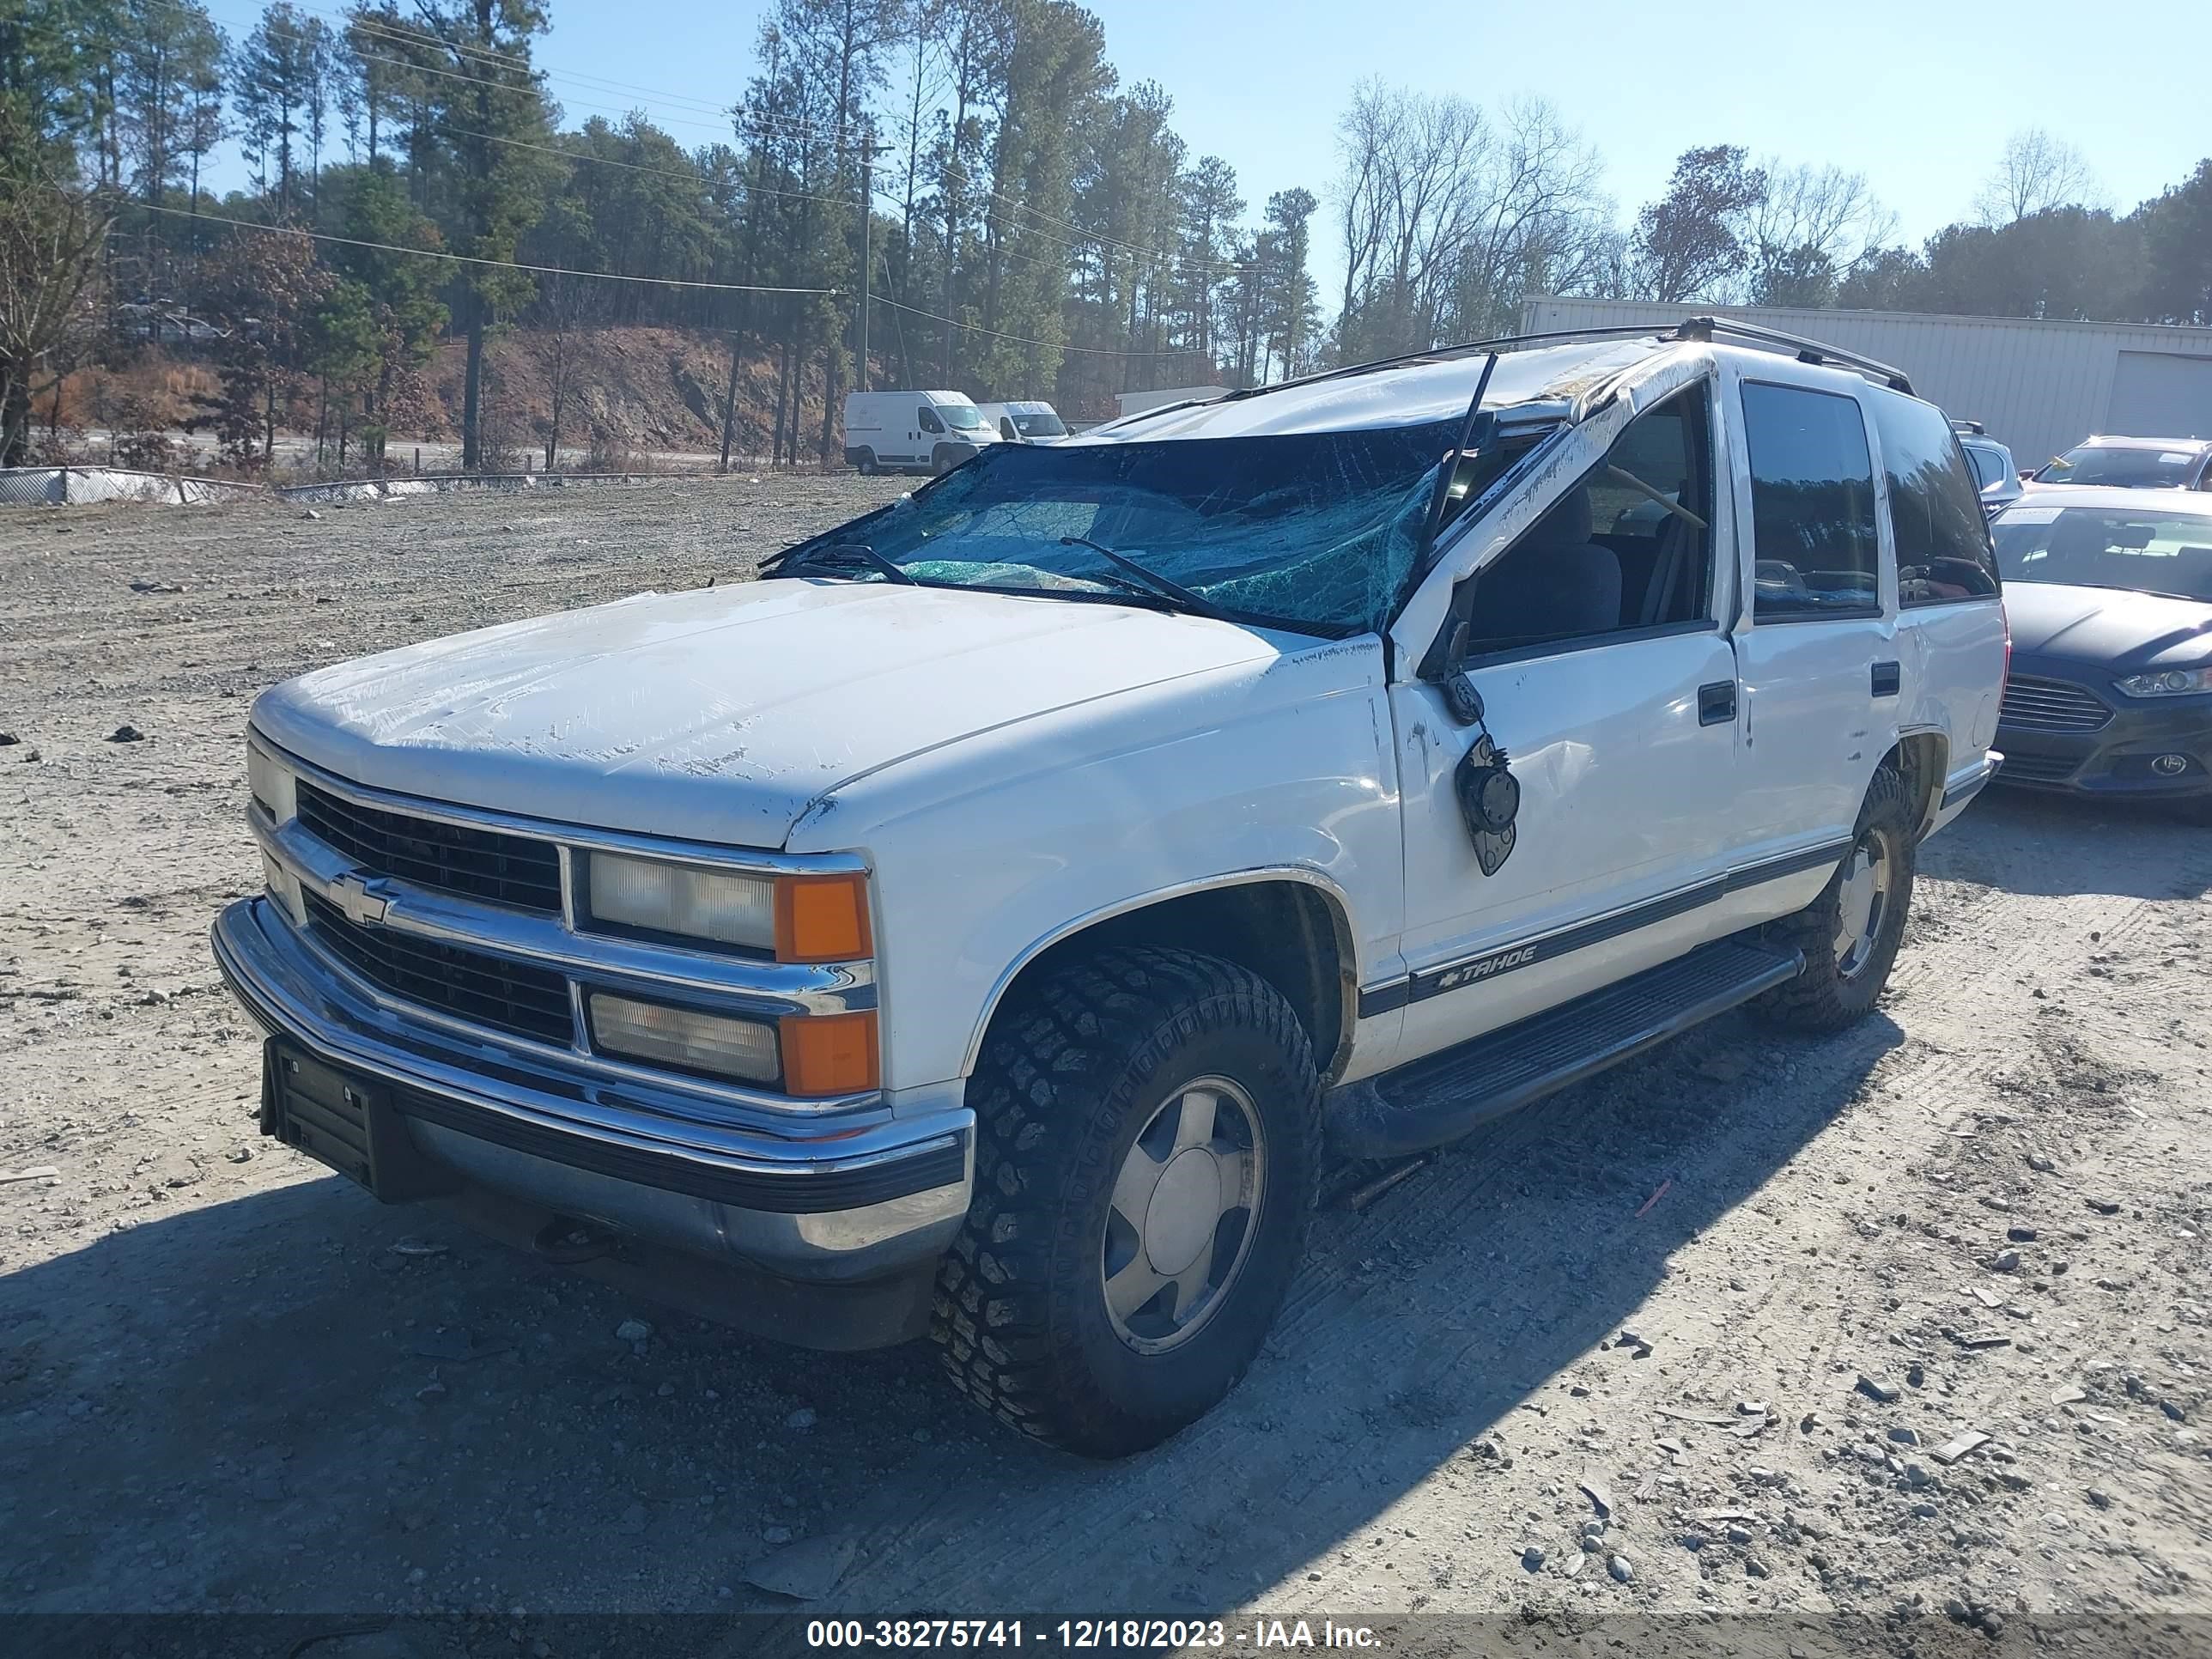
[1290,926]
[1922,758]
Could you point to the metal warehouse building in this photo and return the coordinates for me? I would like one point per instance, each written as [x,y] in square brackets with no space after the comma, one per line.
[2038,387]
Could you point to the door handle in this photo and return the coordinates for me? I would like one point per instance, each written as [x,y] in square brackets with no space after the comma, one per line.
[1887,679]
[1716,703]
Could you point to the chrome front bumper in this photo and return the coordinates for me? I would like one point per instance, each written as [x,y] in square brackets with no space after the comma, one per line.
[841,1200]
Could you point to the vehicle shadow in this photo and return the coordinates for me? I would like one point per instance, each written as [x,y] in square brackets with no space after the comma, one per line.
[2056,845]
[300,1401]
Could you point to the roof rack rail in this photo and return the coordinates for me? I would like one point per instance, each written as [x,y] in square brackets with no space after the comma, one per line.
[1971,428]
[1445,354]
[1691,328]
[1806,351]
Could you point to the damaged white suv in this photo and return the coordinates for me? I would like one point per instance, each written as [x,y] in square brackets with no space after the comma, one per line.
[972,928]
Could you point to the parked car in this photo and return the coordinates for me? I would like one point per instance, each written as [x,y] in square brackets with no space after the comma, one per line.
[973,928]
[1029,422]
[2110,596]
[913,431]
[1991,461]
[2132,464]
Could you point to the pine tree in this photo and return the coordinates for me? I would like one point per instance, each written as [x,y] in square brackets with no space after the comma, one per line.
[279,86]
[490,117]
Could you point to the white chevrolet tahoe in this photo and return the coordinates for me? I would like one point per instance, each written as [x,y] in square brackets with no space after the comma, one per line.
[987,925]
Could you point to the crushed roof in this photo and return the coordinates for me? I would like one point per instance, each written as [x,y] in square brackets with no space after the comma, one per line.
[1413,392]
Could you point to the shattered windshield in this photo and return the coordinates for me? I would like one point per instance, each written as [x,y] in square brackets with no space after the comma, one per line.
[1312,532]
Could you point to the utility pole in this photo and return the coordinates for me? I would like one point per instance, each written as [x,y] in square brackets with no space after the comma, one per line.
[867,219]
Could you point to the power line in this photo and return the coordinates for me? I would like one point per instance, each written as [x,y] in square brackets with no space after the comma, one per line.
[1050,346]
[672,281]
[471,259]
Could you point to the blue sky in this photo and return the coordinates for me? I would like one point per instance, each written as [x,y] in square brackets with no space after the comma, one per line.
[1918,97]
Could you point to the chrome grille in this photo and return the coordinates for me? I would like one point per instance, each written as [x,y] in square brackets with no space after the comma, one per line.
[2036,705]
[509,996]
[481,864]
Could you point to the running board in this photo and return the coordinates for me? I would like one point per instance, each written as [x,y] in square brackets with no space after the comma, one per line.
[1443,1096]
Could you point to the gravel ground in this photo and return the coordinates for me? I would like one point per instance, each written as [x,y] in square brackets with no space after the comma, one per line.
[1700,1338]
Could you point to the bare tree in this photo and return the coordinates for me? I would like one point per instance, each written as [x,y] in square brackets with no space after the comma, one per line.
[1367,136]
[51,238]
[1451,215]
[1812,227]
[1539,221]
[2034,174]
[561,305]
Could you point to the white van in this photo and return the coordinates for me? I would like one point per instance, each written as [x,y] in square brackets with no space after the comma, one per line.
[919,431]
[1029,422]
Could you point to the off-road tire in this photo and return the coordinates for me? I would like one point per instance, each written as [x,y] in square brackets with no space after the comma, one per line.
[1066,1079]
[1823,997]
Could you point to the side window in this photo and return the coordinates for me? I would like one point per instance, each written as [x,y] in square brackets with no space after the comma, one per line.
[1629,546]
[1943,552]
[1988,470]
[1811,504]
[929,422]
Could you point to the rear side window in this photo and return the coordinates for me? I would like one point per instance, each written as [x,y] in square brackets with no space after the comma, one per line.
[1943,552]
[1811,504]
[1988,466]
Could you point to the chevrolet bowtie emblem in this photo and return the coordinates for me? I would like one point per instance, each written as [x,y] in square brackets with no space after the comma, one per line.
[351,895]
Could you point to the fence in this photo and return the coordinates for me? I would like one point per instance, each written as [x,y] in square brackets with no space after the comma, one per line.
[376,489]
[55,486]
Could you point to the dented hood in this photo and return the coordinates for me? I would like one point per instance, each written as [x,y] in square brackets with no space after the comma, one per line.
[721,715]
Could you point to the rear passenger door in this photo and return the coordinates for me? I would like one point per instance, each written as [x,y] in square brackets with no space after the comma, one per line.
[1822,674]
[1950,624]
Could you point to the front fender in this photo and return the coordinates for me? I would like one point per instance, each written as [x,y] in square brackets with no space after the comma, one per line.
[989,851]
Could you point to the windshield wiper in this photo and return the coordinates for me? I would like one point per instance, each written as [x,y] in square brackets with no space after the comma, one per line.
[1158,583]
[836,559]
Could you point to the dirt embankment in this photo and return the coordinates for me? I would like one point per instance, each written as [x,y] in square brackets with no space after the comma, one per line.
[1711,1342]
[631,394]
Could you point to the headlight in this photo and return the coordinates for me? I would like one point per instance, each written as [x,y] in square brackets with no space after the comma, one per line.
[2167,682]
[271,782]
[796,918]
[686,1038]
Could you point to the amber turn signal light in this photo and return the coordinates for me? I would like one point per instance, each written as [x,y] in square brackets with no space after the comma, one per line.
[830,1053]
[822,918]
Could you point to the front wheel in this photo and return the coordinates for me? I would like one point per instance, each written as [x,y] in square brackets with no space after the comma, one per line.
[1850,934]
[1147,1151]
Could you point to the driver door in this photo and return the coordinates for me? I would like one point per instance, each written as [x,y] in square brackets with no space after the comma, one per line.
[921,442]
[1597,644]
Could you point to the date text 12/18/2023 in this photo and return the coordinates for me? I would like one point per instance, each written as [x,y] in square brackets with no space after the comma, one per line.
[1082,1634]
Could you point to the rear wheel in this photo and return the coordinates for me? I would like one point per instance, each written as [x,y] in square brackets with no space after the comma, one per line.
[1850,934]
[866,464]
[1148,1147]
